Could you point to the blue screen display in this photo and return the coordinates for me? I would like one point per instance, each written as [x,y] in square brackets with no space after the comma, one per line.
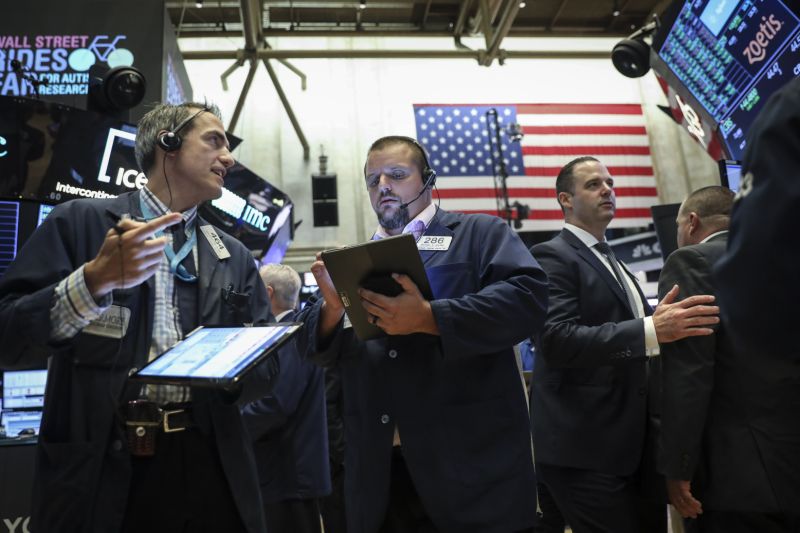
[731,55]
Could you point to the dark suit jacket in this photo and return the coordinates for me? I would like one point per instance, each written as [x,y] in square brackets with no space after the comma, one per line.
[83,466]
[289,432]
[458,399]
[759,290]
[706,434]
[589,391]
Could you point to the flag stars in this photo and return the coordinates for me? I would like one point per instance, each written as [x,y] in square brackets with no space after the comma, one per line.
[421,112]
[439,112]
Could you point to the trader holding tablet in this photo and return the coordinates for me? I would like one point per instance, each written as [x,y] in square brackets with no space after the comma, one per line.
[435,417]
[103,286]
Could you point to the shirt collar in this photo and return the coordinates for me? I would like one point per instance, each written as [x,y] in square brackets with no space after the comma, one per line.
[280,316]
[586,238]
[157,206]
[426,215]
[714,235]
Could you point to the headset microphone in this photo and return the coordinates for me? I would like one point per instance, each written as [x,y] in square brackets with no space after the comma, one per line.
[431,177]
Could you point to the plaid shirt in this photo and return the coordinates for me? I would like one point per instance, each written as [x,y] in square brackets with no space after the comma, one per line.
[75,308]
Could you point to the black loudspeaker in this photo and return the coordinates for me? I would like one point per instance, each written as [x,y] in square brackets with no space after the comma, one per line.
[324,200]
[323,187]
[326,213]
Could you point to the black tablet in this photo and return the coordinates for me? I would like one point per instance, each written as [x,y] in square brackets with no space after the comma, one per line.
[371,265]
[216,356]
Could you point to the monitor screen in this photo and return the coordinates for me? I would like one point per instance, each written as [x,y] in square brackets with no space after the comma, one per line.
[54,153]
[729,56]
[23,401]
[730,174]
[18,220]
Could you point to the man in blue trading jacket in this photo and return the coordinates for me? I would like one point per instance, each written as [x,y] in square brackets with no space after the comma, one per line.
[436,421]
[288,426]
[95,291]
[759,290]
[589,394]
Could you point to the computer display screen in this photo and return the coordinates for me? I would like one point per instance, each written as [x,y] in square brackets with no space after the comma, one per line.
[730,174]
[18,220]
[53,153]
[23,401]
[730,56]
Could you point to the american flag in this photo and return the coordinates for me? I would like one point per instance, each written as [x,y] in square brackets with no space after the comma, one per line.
[457,140]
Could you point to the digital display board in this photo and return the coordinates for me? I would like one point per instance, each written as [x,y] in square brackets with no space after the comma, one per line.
[18,220]
[730,56]
[53,153]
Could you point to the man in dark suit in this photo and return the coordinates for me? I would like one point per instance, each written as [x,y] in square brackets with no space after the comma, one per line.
[436,420]
[288,426]
[759,290]
[714,471]
[98,292]
[589,396]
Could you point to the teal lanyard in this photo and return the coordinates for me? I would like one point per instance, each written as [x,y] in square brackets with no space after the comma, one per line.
[175,266]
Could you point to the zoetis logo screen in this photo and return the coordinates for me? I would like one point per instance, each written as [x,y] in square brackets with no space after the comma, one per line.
[60,62]
[756,49]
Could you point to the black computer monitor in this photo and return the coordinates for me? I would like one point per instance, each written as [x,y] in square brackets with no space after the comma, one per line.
[730,173]
[666,229]
[23,401]
[18,220]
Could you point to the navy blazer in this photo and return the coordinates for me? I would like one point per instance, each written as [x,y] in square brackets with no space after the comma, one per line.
[589,390]
[458,399]
[759,290]
[289,431]
[83,465]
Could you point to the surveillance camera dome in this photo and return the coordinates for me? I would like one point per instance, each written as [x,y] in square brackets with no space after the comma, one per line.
[631,57]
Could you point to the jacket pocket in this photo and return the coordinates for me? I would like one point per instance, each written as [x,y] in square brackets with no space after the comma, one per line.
[451,280]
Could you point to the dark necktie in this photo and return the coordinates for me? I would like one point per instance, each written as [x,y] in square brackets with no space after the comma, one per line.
[605,249]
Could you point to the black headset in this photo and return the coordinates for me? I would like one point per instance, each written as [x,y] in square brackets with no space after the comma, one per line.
[428,174]
[171,141]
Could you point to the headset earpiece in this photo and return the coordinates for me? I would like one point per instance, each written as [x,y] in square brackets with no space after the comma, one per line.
[170,141]
[429,176]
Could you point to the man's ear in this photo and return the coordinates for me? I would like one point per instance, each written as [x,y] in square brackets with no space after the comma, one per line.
[694,222]
[565,200]
[270,292]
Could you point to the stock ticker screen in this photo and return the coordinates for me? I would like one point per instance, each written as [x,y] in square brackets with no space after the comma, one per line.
[731,56]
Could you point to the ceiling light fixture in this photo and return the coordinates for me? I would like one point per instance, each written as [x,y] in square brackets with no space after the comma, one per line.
[362,4]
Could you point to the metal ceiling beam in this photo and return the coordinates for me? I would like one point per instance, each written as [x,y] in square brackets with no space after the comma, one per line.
[251,24]
[557,14]
[458,29]
[394,54]
[510,10]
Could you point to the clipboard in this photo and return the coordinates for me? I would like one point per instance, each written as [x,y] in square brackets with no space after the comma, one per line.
[217,357]
[370,265]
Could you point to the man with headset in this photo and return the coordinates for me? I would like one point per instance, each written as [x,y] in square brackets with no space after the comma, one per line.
[436,420]
[102,287]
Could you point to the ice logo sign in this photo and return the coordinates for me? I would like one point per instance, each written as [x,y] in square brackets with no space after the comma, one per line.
[130,178]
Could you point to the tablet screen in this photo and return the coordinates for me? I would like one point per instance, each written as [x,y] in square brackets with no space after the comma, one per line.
[219,354]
